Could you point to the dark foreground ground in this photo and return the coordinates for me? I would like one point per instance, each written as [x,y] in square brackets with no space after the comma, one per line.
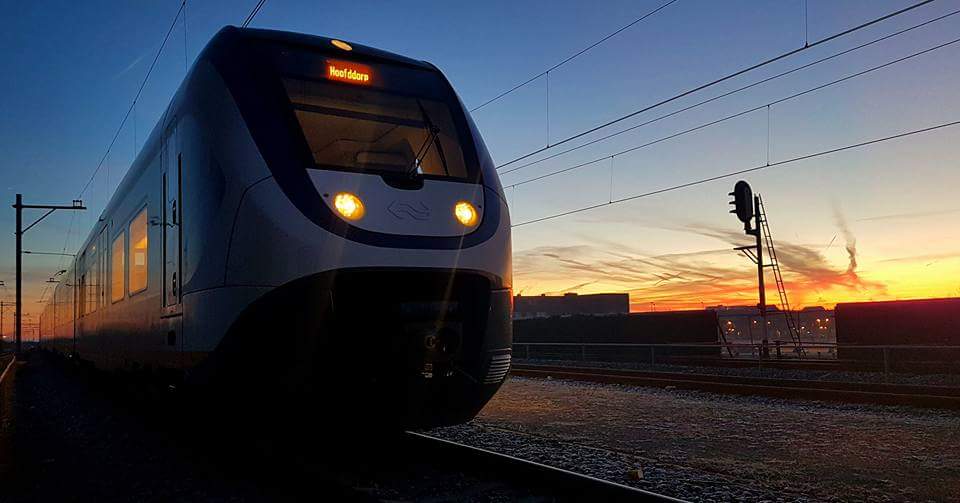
[707,447]
[66,435]
[64,439]
[69,435]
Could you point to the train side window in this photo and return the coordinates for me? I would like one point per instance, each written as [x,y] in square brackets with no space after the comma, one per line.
[117,268]
[138,252]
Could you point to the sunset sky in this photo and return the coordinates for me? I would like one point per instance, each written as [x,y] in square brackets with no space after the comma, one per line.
[878,222]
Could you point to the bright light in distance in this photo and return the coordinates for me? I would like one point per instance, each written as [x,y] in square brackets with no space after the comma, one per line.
[340,44]
[348,205]
[466,214]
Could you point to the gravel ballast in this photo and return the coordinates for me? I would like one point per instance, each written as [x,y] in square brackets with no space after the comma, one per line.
[708,447]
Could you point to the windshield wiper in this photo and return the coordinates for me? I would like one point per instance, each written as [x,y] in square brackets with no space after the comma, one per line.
[433,138]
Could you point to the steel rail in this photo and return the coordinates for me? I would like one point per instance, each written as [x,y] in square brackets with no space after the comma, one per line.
[573,486]
[875,393]
[721,346]
[13,360]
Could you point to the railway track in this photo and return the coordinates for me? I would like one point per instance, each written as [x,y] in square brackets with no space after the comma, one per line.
[810,364]
[874,393]
[546,482]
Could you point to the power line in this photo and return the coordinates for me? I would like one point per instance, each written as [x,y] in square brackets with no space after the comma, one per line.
[740,172]
[717,81]
[253,13]
[180,11]
[571,57]
[734,91]
[183,3]
[741,113]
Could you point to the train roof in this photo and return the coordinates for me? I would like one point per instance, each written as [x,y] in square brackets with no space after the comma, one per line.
[323,45]
[902,302]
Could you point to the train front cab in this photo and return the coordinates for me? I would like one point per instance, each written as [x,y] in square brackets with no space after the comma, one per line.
[401,316]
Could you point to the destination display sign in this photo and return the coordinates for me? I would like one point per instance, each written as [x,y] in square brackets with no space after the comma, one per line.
[353,73]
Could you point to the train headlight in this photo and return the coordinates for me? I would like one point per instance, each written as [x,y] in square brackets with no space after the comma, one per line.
[348,205]
[340,44]
[466,214]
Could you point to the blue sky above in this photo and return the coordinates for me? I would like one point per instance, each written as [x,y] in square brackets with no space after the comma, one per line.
[71,70]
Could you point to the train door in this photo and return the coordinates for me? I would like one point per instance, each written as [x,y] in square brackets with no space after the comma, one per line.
[172,214]
[102,266]
[75,301]
[172,238]
[80,299]
[98,274]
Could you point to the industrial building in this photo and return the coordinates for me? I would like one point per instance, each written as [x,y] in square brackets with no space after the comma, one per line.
[544,306]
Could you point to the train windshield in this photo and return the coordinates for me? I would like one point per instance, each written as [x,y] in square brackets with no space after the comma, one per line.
[371,130]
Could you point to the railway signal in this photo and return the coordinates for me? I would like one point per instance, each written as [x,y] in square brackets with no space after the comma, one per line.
[743,203]
[747,207]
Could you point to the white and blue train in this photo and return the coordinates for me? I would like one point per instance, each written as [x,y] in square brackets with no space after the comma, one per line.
[312,222]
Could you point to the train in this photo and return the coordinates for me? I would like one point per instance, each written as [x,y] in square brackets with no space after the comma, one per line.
[923,327]
[314,226]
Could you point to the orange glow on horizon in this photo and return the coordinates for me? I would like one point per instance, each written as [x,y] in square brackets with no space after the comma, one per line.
[879,281]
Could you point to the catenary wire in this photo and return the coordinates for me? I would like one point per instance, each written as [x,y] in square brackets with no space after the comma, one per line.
[180,12]
[717,81]
[728,93]
[740,113]
[571,57]
[740,172]
[166,37]
[253,13]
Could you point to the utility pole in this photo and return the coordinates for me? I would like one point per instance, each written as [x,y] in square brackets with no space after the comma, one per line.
[19,206]
[16,317]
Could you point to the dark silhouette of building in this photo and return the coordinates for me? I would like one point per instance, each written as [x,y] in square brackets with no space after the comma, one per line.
[543,306]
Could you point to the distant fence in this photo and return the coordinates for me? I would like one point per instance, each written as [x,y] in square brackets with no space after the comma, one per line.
[874,358]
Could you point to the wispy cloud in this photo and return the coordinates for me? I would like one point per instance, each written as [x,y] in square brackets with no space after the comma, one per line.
[684,279]
[926,257]
[910,215]
[133,64]
[849,238]
[804,265]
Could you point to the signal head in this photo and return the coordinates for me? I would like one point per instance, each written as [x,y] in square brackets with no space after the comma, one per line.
[742,201]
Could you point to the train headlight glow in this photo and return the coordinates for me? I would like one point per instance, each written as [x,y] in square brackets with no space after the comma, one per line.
[466,214]
[348,205]
[340,44]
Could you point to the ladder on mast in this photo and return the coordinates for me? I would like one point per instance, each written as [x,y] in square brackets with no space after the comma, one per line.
[781,288]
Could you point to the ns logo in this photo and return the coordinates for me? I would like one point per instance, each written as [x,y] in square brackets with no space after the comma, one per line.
[403,211]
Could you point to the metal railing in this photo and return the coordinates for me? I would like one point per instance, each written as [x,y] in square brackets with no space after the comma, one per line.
[914,358]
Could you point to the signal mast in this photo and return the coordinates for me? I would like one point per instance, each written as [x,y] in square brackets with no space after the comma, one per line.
[749,207]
